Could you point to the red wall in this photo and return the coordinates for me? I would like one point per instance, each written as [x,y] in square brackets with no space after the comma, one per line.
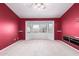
[58,35]
[8,26]
[22,28]
[58,29]
[70,21]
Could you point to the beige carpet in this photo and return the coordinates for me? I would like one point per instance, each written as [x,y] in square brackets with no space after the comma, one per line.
[39,48]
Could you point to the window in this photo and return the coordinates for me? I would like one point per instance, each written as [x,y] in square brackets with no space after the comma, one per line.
[35,28]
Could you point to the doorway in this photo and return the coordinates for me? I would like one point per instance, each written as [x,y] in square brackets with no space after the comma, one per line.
[39,30]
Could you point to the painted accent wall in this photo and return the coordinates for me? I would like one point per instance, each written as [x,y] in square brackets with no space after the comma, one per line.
[21,28]
[58,35]
[70,24]
[70,21]
[8,26]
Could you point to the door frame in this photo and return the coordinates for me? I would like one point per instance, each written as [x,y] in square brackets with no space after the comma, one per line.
[39,20]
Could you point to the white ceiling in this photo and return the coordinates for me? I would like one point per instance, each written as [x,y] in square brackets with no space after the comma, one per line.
[26,10]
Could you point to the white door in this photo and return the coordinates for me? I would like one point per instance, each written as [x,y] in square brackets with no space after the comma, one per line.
[39,30]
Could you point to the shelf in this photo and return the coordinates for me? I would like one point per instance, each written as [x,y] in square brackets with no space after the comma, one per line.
[20,31]
[59,31]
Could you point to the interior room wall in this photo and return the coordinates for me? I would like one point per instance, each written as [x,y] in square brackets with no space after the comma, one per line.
[70,23]
[8,26]
[58,33]
[21,35]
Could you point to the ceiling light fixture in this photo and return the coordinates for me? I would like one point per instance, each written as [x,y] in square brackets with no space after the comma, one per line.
[39,5]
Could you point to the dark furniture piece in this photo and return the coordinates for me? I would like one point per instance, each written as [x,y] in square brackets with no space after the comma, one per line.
[71,39]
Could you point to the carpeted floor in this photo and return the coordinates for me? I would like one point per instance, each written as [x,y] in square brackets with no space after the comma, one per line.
[39,48]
